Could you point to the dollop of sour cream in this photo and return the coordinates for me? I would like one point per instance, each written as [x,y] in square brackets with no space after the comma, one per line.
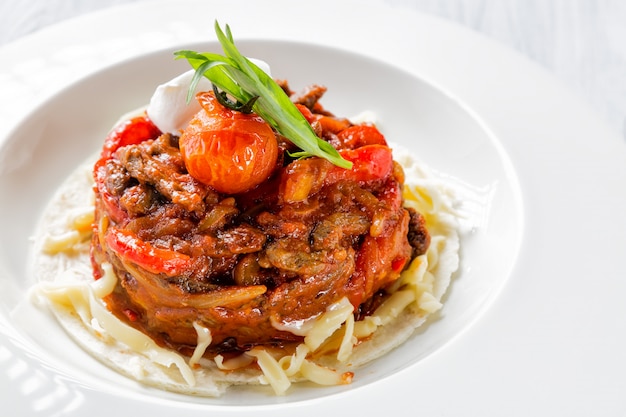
[168,108]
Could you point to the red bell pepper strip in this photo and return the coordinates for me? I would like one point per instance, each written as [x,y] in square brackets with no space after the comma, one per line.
[129,247]
[369,163]
[110,201]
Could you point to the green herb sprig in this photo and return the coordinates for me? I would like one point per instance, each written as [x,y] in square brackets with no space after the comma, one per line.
[240,78]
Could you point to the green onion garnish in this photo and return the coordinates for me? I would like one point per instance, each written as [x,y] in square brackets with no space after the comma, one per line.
[240,78]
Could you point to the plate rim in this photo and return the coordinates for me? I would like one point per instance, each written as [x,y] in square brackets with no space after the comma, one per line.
[589,119]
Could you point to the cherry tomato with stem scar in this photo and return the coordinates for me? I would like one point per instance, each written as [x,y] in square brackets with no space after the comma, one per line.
[230,151]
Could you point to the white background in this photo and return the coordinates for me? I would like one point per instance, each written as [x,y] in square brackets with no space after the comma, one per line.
[582,42]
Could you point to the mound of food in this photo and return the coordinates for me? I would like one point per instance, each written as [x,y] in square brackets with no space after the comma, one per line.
[228,249]
[256,266]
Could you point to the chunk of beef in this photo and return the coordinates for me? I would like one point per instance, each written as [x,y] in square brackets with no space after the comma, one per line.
[418,235]
[159,164]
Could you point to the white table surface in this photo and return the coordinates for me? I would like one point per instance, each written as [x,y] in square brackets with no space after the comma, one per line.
[582,42]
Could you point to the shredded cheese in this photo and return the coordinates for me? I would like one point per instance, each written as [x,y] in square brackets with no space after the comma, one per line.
[231,364]
[62,242]
[328,323]
[273,372]
[291,364]
[348,341]
[204,340]
[85,299]
[322,375]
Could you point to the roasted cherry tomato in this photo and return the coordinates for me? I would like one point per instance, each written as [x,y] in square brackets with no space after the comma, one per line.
[129,132]
[229,151]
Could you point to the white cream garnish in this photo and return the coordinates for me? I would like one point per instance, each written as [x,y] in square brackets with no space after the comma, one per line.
[168,108]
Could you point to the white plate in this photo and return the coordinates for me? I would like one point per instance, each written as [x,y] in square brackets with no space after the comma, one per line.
[533,321]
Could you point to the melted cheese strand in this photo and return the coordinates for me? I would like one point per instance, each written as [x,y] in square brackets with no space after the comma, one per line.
[322,375]
[366,327]
[204,340]
[348,341]
[231,364]
[54,244]
[385,313]
[273,372]
[394,305]
[82,219]
[106,284]
[328,323]
[291,363]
